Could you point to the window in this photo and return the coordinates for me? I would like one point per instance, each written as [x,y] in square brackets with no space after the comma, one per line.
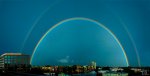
[5,57]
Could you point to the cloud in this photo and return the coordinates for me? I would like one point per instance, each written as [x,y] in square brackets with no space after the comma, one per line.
[72,61]
[64,60]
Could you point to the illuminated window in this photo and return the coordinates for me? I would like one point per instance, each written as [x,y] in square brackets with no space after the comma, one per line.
[5,57]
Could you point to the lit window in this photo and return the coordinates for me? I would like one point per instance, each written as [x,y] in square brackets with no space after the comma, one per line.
[5,57]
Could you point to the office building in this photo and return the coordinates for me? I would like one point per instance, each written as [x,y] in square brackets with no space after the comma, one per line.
[14,61]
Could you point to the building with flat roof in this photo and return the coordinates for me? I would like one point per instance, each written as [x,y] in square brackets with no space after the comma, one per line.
[14,61]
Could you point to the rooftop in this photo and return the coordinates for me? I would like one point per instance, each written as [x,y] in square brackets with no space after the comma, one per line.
[12,54]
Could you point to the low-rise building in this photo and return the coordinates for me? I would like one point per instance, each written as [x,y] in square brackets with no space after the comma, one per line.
[14,62]
[114,74]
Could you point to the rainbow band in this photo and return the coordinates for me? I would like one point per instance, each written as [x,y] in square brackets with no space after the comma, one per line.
[80,18]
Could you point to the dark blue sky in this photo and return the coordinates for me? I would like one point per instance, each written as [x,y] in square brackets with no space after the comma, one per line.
[24,22]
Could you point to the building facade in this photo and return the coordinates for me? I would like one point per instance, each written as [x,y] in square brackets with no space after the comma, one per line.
[14,62]
[93,64]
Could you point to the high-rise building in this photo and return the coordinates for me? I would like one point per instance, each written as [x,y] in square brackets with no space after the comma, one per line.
[14,61]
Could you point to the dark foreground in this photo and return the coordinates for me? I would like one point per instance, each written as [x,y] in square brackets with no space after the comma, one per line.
[79,71]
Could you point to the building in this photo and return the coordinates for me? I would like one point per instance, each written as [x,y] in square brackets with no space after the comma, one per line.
[93,64]
[114,74]
[14,62]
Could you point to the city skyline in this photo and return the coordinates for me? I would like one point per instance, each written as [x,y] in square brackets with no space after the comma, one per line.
[18,64]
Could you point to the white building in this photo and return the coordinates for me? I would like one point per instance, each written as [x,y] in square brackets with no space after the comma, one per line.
[93,64]
[114,74]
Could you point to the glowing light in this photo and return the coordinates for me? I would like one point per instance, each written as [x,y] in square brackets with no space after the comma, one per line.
[80,18]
